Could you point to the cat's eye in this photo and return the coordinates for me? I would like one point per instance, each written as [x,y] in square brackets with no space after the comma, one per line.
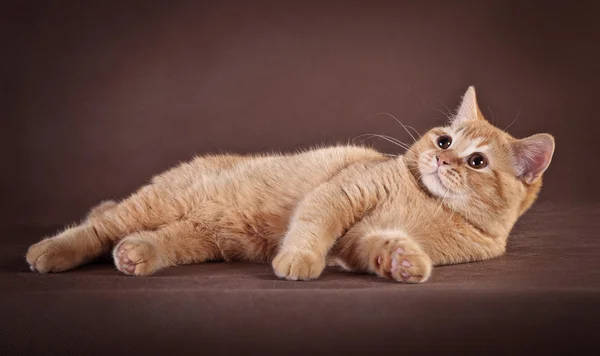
[444,142]
[477,161]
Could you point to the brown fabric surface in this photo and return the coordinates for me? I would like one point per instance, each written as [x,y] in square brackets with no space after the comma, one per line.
[541,297]
[98,96]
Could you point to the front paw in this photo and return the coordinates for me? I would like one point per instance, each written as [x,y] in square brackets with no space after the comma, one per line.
[298,265]
[52,255]
[69,249]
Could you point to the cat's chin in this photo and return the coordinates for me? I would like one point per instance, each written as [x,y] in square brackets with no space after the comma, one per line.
[435,186]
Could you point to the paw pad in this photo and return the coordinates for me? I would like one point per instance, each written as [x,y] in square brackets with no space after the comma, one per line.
[136,257]
[404,262]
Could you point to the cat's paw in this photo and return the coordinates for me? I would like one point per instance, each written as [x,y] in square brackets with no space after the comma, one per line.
[136,256]
[404,261]
[50,255]
[298,265]
[67,250]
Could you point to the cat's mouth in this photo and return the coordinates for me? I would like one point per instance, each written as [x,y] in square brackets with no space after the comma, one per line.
[431,178]
[436,186]
[439,180]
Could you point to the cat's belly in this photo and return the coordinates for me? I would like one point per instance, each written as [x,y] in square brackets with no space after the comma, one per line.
[247,220]
[250,207]
[252,235]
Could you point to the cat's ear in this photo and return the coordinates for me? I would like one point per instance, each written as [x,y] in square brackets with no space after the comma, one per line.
[532,156]
[468,109]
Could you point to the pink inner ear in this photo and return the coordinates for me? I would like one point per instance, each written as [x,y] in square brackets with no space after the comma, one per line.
[533,156]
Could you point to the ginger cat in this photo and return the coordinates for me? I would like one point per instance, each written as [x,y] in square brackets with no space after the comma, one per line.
[453,197]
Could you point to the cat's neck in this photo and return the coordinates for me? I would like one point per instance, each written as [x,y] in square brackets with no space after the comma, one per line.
[493,222]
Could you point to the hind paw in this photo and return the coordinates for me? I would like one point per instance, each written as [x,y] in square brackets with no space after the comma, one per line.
[404,261]
[137,257]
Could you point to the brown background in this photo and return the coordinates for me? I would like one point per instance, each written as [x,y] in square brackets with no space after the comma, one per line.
[100,95]
[97,96]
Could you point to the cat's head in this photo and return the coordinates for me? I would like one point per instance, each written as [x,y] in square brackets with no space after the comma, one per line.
[470,162]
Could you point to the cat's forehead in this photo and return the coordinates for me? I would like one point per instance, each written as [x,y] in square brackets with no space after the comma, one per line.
[472,136]
[475,131]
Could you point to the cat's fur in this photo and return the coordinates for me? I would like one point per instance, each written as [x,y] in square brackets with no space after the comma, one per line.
[396,217]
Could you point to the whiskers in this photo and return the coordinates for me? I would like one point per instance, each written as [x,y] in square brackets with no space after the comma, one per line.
[405,127]
[416,173]
[448,114]
[391,139]
[515,119]
[442,201]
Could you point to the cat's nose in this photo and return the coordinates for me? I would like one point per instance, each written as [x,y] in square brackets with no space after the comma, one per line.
[444,158]
[441,161]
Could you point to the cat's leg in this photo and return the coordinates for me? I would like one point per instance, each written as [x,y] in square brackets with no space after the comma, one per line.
[70,248]
[147,209]
[101,208]
[177,243]
[319,220]
[388,253]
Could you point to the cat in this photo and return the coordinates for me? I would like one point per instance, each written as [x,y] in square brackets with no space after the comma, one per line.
[453,197]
